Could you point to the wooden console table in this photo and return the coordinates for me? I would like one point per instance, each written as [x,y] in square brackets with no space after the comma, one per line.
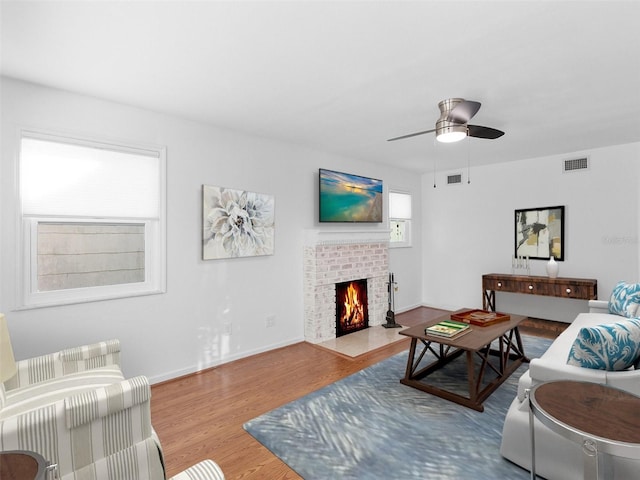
[578,288]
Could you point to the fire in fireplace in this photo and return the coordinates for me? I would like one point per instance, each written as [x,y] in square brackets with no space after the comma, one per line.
[352,312]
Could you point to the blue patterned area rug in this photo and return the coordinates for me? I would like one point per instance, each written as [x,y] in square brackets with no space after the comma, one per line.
[370,426]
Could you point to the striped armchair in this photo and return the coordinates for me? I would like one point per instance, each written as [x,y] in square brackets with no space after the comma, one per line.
[77,410]
[47,378]
[99,433]
[65,362]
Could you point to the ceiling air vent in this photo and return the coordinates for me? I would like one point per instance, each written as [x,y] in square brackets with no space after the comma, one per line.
[454,179]
[575,164]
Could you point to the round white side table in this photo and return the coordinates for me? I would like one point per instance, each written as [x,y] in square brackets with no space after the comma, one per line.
[603,419]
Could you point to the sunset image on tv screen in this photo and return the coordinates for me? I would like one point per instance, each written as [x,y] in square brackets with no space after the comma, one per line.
[349,198]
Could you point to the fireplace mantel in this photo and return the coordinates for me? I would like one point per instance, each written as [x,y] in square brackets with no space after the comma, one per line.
[344,237]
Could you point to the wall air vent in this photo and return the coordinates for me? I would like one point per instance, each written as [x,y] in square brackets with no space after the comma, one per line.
[575,164]
[454,179]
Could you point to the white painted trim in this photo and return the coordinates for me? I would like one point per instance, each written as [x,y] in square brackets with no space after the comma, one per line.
[408,308]
[338,237]
[407,232]
[231,358]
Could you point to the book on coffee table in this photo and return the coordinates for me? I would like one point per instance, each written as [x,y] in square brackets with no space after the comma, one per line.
[447,328]
[482,318]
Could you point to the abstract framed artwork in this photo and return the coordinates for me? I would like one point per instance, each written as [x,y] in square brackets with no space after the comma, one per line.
[236,223]
[539,233]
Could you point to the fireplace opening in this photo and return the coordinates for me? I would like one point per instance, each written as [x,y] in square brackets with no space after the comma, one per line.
[352,307]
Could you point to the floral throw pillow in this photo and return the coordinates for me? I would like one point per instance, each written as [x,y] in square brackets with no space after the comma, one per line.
[625,299]
[614,346]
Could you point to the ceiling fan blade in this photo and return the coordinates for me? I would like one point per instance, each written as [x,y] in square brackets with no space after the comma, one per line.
[411,135]
[484,132]
[463,112]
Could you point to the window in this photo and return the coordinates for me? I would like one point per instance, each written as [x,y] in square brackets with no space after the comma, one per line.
[400,219]
[93,217]
[78,255]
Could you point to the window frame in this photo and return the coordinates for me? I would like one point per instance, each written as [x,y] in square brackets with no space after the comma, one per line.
[406,221]
[154,234]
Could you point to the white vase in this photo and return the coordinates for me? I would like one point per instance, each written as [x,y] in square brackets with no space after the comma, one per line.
[552,267]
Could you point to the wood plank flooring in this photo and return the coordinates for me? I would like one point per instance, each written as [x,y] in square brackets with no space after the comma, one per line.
[201,416]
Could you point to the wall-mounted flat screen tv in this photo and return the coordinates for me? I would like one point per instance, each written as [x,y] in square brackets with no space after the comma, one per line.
[349,198]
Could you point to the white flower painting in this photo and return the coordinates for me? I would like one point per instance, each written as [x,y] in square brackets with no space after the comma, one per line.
[236,223]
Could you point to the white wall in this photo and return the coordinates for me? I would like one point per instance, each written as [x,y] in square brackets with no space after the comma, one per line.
[468,230]
[181,331]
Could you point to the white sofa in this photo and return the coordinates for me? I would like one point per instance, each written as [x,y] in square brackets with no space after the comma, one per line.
[556,457]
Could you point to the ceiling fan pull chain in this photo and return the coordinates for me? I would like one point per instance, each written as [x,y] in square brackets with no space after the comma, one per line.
[468,160]
[434,173]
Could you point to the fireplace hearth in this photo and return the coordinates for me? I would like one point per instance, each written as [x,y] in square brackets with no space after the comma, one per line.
[352,307]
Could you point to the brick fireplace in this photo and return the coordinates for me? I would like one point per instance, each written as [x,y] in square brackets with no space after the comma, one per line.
[332,257]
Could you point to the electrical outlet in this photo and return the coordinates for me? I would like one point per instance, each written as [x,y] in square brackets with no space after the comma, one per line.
[226,328]
[271,321]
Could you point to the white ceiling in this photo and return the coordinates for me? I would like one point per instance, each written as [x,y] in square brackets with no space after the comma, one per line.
[343,77]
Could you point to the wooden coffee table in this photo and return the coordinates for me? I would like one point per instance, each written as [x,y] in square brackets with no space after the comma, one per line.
[502,361]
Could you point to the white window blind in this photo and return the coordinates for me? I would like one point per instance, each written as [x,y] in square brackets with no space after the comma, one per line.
[399,205]
[65,179]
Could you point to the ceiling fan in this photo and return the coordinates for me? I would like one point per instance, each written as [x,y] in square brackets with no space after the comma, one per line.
[452,125]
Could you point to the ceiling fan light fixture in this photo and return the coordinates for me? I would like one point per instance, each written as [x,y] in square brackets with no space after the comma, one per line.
[447,132]
[453,124]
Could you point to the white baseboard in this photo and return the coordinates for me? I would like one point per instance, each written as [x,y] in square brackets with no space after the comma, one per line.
[418,305]
[406,309]
[230,358]
[451,308]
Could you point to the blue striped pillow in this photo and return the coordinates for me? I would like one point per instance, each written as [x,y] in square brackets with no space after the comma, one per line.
[614,346]
[625,299]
